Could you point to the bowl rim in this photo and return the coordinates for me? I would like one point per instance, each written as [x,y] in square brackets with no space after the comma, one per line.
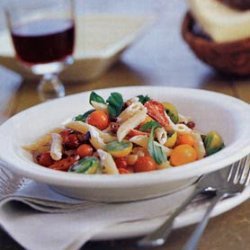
[34,171]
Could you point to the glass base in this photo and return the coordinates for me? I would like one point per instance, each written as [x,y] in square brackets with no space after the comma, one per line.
[50,87]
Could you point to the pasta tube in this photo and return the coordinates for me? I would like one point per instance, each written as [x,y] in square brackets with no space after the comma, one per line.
[161,135]
[141,140]
[107,162]
[83,127]
[131,123]
[56,147]
[42,142]
[99,106]
[199,145]
[130,111]
[95,139]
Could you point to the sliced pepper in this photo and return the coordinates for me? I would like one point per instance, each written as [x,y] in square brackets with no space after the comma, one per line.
[156,110]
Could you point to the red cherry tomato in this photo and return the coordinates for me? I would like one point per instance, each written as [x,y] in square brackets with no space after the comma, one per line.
[124,171]
[121,162]
[145,164]
[45,159]
[84,150]
[70,139]
[99,119]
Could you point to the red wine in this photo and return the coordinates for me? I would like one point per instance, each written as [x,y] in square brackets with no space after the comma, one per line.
[44,41]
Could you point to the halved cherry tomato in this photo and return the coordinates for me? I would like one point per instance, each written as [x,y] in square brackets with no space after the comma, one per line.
[157,111]
[124,171]
[99,119]
[183,154]
[121,162]
[145,164]
[84,150]
[171,140]
[69,139]
[119,149]
[63,164]
[185,139]
[45,159]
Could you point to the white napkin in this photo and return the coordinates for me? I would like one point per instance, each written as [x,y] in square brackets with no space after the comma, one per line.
[51,231]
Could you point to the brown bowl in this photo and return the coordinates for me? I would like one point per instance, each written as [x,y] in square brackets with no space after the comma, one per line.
[229,57]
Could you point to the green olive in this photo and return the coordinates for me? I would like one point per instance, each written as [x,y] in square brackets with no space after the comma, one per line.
[213,142]
[87,165]
[171,111]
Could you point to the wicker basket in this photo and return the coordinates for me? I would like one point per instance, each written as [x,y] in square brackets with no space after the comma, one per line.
[238,4]
[230,58]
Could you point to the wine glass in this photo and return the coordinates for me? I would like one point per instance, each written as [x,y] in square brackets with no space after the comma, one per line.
[43,35]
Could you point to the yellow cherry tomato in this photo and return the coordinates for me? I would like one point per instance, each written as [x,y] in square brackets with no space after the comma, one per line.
[185,139]
[183,154]
[171,140]
[119,149]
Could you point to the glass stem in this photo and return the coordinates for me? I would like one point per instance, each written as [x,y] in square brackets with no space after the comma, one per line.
[50,87]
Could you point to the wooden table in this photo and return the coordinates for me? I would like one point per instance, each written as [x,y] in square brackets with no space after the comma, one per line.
[161,58]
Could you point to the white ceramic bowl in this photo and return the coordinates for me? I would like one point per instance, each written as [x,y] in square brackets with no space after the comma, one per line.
[210,111]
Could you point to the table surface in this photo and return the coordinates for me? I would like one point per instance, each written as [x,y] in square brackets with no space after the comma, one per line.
[160,58]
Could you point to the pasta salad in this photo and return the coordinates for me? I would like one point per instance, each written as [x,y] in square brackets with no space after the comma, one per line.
[120,136]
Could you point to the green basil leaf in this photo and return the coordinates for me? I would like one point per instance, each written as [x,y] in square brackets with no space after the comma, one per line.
[143,98]
[149,125]
[83,117]
[115,104]
[154,150]
[96,98]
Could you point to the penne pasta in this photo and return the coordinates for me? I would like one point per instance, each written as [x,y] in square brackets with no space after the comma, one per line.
[78,126]
[161,135]
[56,147]
[107,162]
[199,145]
[83,127]
[42,142]
[182,129]
[95,139]
[99,106]
[141,140]
[131,123]
[179,128]
[130,111]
